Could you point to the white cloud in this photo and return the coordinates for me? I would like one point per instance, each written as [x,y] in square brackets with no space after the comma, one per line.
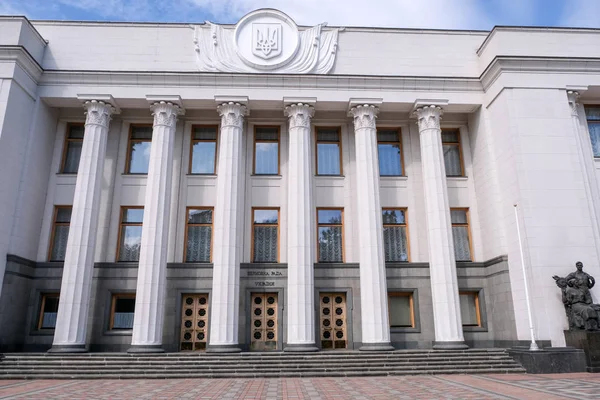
[581,13]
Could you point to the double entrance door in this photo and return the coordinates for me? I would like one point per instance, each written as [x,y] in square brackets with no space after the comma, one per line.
[264,321]
[333,321]
[194,322]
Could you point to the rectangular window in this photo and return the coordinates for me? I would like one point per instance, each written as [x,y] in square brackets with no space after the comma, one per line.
[329,150]
[395,235]
[266,150]
[203,156]
[138,149]
[469,308]
[122,311]
[265,235]
[48,311]
[461,234]
[452,152]
[72,149]
[592,115]
[60,233]
[130,234]
[389,146]
[330,234]
[401,309]
[198,243]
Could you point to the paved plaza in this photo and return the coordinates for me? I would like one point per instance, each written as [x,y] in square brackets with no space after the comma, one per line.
[530,387]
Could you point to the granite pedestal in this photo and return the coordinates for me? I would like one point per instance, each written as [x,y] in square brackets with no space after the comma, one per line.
[550,360]
[589,342]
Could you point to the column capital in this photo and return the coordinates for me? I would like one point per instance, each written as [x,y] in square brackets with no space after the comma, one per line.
[299,114]
[98,112]
[232,113]
[364,115]
[573,98]
[165,113]
[428,117]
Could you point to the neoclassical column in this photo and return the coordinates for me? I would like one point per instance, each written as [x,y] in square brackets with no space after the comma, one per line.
[442,263]
[225,296]
[71,322]
[373,286]
[301,285]
[152,268]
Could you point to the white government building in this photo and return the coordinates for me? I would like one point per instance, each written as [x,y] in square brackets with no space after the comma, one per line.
[265,186]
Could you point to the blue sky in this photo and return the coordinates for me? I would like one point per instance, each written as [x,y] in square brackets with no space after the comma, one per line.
[450,14]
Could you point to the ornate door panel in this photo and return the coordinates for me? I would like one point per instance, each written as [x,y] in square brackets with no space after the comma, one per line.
[334,332]
[194,322]
[264,321]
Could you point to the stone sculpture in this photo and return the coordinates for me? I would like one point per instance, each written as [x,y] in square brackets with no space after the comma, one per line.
[582,314]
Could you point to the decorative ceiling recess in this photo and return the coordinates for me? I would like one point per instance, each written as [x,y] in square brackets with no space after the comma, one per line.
[265,40]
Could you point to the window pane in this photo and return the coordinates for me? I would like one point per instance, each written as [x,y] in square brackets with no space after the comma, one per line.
[51,304]
[203,157]
[72,157]
[389,159]
[76,131]
[265,244]
[452,160]
[63,214]
[328,158]
[265,216]
[329,216]
[204,133]
[393,217]
[59,244]
[385,135]
[266,158]
[139,158]
[330,244]
[468,309]
[124,312]
[462,251]
[125,305]
[198,244]
[133,215]
[200,216]
[458,216]
[395,244]
[141,132]
[594,128]
[131,240]
[328,135]
[400,312]
[592,113]
[49,312]
[267,133]
[450,136]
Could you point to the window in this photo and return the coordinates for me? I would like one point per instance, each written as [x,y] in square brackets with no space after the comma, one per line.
[330,224]
[469,308]
[460,233]
[138,149]
[203,151]
[329,146]
[452,152]
[395,235]
[389,145]
[48,311]
[265,235]
[130,234]
[401,309]
[60,233]
[198,242]
[72,149]
[266,150]
[592,115]
[121,311]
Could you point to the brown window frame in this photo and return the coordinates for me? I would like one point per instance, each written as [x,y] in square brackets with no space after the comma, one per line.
[467,225]
[53,231]
[194,141]
[278,141]
[593,121]
[278,232]
[113,305]
[411,302]
[130,148]
[66,146]
[460,150]
[319,225]
[41,310]
[399,143]
[405,210]
[187,225]
[340,149]
[121,224]
[475,293]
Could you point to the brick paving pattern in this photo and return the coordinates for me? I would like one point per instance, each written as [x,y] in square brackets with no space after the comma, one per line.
[484,387]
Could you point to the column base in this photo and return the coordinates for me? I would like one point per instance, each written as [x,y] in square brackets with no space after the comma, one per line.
[223,348]
[386,346]
[68,348]
[143,348]
[300,348]
[458,345]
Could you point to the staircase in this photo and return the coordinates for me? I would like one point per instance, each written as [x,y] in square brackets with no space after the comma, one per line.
[255,365]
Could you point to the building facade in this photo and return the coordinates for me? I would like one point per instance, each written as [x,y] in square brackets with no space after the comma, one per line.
[269,187]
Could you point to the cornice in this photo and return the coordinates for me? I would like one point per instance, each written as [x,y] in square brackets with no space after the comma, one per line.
[22,58]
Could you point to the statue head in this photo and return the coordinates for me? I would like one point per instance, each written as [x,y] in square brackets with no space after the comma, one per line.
[579,266]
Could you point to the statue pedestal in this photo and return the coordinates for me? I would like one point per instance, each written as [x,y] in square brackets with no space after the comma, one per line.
[589,342]
[549,360]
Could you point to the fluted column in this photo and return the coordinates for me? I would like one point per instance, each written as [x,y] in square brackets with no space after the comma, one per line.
[373,286]
[442,264]
[224,323]
[151,281]
[71,322]
[301,286]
